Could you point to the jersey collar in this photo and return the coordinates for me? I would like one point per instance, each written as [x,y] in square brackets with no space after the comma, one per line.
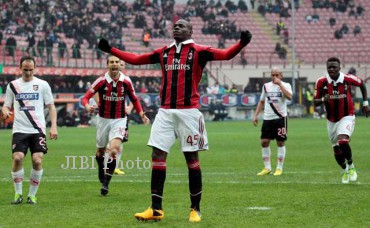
[339,80]
[109,79]
[178,47]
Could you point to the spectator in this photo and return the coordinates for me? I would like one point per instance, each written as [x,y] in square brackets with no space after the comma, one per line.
[352,71]
[218,110]
[315,17]
[338,34]
[252,4]
[11,45]
[76,53]
[49,49]
[344,28]
[352,13]
[309,18]
[31,44]
[79,88]
[242,6]
[332,21]
[356,30]
[282,53]
[360,10]
[286,36]
[221,41]
[234,89]
[213,89]
[146,38]
[41,47]
[277,48]
[62,47]
[280,25]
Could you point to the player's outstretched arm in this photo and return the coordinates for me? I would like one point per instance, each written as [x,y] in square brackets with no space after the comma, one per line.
[128,57]
[231,52]
[365,104]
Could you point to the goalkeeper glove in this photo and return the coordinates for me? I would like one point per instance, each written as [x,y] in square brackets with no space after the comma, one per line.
[104,45]
[245,37]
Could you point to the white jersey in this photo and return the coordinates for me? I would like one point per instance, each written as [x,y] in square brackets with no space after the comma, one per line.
[275,101]
[28,99]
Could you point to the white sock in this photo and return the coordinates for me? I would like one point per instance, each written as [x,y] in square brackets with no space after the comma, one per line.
[351,166]
[281,157]
[118,160]
[266,154]
[18,180]
[35,179]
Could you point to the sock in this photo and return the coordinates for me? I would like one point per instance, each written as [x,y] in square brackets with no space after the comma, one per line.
[119,163]
[266,154]
[35,179]
[281,157]
[157,182]
[346,149]
[100,161]
[111,165]
[339,157]
[195,184]
[18,180]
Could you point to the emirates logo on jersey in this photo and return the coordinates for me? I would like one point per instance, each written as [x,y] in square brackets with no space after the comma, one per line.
[35,87]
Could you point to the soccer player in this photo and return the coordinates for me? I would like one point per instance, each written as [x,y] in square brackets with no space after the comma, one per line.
[274,98]
[334,91]
[112,87]
[28,95]
[182,63]
[129,107]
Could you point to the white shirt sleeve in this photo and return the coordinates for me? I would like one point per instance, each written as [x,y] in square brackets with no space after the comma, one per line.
[9,97]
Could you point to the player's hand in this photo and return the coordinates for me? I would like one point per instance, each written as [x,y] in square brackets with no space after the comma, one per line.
[6,114]
[245,37]
[104,45]
[145,120]
[90,109]
[255,122]
[366,111]
[326,98]
[53,134]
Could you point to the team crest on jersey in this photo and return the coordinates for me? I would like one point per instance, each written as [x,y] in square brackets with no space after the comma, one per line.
[35,87]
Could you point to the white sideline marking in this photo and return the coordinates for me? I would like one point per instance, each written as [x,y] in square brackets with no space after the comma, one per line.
[260,208]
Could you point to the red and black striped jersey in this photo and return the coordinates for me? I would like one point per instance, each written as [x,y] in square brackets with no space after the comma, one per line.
[182,65]
[112,96]
[340,103]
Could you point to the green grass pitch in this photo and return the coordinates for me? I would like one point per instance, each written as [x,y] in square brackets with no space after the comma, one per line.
[308,194]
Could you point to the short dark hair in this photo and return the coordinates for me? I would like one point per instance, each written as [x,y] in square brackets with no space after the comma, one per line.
[333,59]
[27,58]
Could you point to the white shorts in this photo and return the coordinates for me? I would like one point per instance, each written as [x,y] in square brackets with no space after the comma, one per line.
[108,129]
[345,126]
[185,124]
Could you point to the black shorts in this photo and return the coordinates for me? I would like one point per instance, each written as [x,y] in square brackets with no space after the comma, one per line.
[22,141]
[275,129]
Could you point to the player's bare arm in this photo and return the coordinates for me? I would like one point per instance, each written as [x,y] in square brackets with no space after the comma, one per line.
[258,110]
[53,134]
